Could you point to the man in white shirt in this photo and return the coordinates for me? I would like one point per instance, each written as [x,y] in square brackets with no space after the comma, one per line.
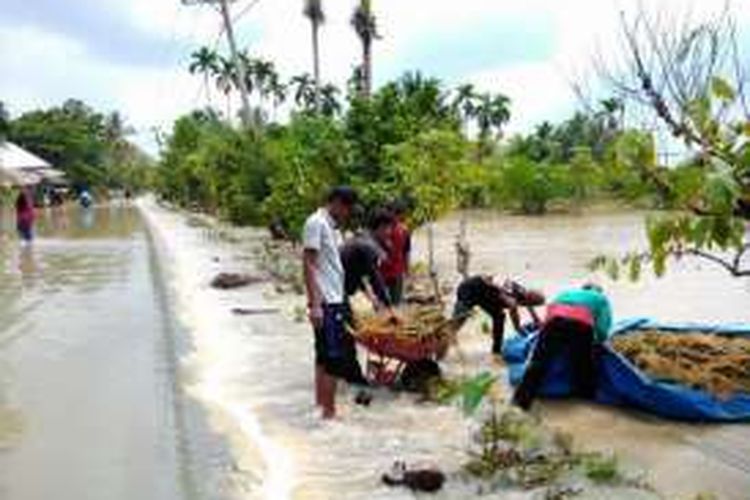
[335,355]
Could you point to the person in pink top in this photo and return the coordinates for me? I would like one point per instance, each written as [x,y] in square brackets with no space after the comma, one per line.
[25,215]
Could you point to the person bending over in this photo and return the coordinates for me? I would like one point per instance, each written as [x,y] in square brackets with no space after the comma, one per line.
[494,299]
[577,320]
[362,257]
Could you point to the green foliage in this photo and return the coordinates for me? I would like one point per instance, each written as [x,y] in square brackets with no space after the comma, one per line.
[474,390]
[710,192]
[310,155]
[4,122]
[394,114]
[601,468]
[90,147]
[527,184]
[213,166]
[427,170]
[405,141]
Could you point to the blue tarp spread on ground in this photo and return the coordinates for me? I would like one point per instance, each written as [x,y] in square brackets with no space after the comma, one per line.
[621,383]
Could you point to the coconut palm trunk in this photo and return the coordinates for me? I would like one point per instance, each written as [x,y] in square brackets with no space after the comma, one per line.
[367,66]
[316,62]
[365,25]
[314,12]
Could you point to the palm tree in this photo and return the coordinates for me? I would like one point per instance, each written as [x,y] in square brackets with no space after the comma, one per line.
[249,65]
[206,62]
[364,24]
[314,12]
[355,84]
[492,112]
[277,91]
[226,80]
[304,93]
[264,73]
[329,104]
[465,104]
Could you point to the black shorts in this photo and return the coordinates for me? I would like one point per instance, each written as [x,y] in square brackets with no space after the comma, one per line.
[335,350]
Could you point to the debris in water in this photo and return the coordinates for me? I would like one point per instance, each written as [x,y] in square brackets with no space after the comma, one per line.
[427,480]
[226,281]
[249,311]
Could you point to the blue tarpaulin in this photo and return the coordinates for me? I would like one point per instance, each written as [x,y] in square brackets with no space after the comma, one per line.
[622,383]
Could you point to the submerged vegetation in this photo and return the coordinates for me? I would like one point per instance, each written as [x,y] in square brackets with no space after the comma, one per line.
[513,450]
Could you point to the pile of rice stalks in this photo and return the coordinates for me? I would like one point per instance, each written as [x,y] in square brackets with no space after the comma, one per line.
[714,363]
[412,322]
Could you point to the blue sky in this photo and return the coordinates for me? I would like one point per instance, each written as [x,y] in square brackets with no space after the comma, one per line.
[132,56]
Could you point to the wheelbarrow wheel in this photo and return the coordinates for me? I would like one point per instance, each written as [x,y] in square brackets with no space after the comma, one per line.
[417,375]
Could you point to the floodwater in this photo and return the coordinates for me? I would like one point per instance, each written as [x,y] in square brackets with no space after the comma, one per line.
[90,405]
[123,374]
[552,252]
[255,372]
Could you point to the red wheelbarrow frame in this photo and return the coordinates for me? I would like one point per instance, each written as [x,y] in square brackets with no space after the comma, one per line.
[388,355]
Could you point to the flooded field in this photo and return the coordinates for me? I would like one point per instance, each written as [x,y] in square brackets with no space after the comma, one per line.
[257,370]
[551,253]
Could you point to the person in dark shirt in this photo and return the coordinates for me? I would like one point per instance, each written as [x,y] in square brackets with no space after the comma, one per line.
[362,257]
[495,299]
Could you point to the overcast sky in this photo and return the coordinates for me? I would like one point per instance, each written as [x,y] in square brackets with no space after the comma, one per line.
[132,55]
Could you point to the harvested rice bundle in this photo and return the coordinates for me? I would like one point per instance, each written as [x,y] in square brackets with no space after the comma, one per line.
[715,363]
[413,321]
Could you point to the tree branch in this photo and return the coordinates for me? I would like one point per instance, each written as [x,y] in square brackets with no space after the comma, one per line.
[733,266]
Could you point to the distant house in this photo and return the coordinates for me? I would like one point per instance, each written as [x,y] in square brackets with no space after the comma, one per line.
[20,167]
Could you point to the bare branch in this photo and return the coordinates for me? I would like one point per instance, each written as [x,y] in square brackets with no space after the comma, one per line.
[732,266]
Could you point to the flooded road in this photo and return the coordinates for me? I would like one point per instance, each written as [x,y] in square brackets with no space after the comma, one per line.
[89,406]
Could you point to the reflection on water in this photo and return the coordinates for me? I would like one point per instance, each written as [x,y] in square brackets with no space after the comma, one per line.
[86,395]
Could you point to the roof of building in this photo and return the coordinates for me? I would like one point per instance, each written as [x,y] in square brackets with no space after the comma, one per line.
[13,156]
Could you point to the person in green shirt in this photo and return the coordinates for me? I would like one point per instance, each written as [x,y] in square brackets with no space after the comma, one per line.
[577,319]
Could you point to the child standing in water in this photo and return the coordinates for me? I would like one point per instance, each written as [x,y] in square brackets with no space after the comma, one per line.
[25,215]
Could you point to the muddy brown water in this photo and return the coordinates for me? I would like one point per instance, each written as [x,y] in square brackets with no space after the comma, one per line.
[93,366]
[257,371]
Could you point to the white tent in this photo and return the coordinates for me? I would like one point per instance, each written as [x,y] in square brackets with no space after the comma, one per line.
[18,166]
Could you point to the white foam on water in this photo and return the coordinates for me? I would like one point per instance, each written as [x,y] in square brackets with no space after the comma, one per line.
[218,352]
